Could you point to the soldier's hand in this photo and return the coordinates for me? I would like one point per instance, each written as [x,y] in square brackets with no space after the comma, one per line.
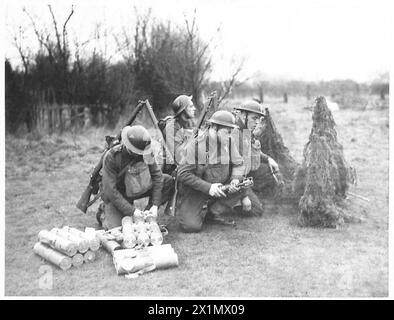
[258,131]
[233,186]
[272,163]
[215,190]
[153,211]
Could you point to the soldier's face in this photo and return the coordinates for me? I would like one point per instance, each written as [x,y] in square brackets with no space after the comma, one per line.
[224,133]
[253,120]
[190,111]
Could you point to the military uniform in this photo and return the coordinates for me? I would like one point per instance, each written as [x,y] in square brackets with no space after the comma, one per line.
[176,134]
[256,164]
[126,178]
[206,162]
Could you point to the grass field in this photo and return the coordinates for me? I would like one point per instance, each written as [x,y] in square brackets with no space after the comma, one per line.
[269,256]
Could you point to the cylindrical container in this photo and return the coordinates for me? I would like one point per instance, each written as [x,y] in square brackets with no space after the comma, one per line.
[90,233]
[129,238]
[129,241]
[131,265]
[77,260]
[109,245]
[139,227]
[59,243]
[57,258]
[163,256]
[127,225]
[150,217]
[89,256]
[153,227]
[163,261]
[135,227]
[156,238]
[94,244]
[118,235]
[138,216]
[82,244]
[143,239]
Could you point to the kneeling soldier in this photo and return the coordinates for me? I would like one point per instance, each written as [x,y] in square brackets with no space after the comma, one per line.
[258,165]
[130,172]
[210,160]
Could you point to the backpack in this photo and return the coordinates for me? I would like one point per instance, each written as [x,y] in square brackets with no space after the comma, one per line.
[166,168]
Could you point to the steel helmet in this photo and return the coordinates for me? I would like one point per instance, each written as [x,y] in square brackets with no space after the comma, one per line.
[251,106]
[223,118]
[136,139]
[181,103]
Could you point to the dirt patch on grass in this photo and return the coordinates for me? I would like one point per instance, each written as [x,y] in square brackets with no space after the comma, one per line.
[268,256]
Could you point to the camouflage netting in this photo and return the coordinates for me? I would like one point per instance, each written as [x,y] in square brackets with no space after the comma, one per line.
[324,176]
[272,145]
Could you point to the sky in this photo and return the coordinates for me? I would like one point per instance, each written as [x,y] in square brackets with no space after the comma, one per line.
[304,39]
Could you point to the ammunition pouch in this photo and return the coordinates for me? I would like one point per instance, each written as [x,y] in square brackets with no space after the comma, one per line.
[137,179]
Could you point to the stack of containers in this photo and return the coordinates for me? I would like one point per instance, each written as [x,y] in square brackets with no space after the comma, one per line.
[136,246]
[67,247]
[138,231]
[145,228]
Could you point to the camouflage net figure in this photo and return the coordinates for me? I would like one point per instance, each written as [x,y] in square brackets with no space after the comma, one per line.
[324,176]
[273,146]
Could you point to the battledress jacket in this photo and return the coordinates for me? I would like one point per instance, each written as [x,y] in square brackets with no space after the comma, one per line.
[114,189]
[207,162]
[176,133]
[249,148]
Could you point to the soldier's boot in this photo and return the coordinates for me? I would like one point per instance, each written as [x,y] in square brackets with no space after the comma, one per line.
[257,205]
[215,215]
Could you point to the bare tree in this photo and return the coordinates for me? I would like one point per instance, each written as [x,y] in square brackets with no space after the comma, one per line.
[233,81]
[199,60]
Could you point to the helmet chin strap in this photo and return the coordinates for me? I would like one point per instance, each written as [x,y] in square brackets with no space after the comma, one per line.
[246,119]
[184,115]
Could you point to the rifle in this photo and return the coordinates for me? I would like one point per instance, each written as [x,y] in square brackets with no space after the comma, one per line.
[212,102]
[95,177]
[244,184]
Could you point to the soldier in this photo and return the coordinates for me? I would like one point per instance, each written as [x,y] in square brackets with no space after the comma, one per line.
[256,162]
[178,128]
[130,172]
[209,161]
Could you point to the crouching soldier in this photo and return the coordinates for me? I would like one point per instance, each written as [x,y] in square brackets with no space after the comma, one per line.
[130,172]
[210,160]
[258,165]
